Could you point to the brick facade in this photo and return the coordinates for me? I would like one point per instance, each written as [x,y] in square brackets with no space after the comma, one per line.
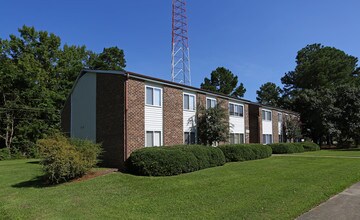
[173,116]
[135,115]
[275,126]
[110,118]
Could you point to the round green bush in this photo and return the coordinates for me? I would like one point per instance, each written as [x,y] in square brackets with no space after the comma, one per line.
[243,152]
[174,160]
[310,146]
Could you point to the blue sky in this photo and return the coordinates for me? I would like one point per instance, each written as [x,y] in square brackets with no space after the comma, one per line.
[257,40]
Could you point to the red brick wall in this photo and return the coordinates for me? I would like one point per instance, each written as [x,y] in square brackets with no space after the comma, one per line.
[173,116]
[247,125]
[135,115]
[275,126]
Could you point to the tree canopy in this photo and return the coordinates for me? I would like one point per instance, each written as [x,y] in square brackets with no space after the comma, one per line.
[36,75]
[269,94]
[224,81]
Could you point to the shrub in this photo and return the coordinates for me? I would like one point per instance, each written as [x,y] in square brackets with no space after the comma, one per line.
[64,159]
[243,152]
[286,148]
[310,146]
[167,161]
[5,154]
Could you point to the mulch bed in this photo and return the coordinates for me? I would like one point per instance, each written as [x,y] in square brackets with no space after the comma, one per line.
[93,174]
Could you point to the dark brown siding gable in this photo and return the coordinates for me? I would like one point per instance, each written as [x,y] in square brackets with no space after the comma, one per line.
[110,118]
[254,123]
[173,116]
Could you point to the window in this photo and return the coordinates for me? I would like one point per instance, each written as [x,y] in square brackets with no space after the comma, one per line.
[189,138]
[189,102]
[210,103]
[153,96]
[267,138]
[266,115]
[281,138]
[236,138]
[236,110]
[280,118]
[153,138]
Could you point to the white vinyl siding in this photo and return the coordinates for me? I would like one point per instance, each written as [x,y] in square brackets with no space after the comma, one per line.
[236,121]
[189,117]
[280,123]
[153,115]
[210,103]
[83,108]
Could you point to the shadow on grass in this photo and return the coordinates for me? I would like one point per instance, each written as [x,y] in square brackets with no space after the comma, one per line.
[37,182]
[34,162]
[347,149]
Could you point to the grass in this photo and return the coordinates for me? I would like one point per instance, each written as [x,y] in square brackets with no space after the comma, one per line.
[337,152]
[273,188]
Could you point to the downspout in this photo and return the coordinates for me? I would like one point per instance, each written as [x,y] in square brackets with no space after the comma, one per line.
[126,116]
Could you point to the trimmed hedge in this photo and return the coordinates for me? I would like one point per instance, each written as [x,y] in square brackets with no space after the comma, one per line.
[243,152]
[286,148]
[310,146]
[168,161]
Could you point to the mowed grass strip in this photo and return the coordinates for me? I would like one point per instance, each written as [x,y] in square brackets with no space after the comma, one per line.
[273,188]
[335,152]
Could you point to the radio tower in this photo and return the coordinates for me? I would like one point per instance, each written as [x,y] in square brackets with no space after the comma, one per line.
[180,53]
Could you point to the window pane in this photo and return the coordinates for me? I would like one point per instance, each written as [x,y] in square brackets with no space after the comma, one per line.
[186,102]
[242,138]
[213,103]
[157,97]
[231,138]
[236,138]
[241,110]
[149,139]
[192,138]
[149,96]
[157,138]
[191,102]
[263,114]
[280,117]
[264,139]
[186,138]
[268,116]
[208,103]
[231,109]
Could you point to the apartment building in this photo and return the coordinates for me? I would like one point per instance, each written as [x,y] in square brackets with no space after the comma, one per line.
[126,111]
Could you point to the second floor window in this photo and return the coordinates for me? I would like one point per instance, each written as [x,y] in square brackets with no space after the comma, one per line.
[266,115]
[210,103]
[189,102]
[280,117]
[153,96]
[236,110]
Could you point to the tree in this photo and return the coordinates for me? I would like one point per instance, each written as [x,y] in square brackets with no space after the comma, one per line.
[224,81]
[111,58]
[269,94]
[213,125]
[36,76]
[292,128]
[310,87]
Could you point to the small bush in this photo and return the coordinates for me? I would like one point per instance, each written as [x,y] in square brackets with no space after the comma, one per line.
[64,159]
[310,146]
[243,152]
[5,154]
[286,148]
[167,161]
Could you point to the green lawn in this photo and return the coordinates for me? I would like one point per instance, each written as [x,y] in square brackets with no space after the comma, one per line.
[340,152]
[273,188]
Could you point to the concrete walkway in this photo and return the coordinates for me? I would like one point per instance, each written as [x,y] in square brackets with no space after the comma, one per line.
[343,206]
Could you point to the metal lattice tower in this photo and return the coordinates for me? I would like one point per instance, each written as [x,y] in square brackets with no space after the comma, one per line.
[180,53]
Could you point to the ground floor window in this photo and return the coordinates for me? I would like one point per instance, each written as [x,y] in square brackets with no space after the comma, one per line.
[236,138]
[267,139]
[153,138]
[281,138]
[189,138]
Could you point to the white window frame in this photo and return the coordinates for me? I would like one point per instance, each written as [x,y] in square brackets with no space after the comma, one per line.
[236,104]
[153,93]
[189,94]
[272,139]
[280,117]
[153,144]
[266,118]
[232,133]
[212,99]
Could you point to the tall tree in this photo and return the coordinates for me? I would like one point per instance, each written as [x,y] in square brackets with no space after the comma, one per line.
[36,75]
[309,88]
[269,94]
[224,81]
